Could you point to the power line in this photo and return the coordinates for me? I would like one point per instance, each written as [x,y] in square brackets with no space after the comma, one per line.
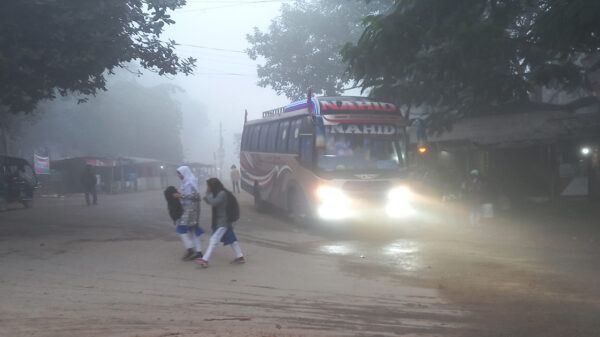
[210,48]
[204,59]
[229,74]
[223,1]
[232,5]
[212,64]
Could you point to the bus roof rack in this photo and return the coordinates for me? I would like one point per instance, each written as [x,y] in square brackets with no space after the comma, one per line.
[273,113]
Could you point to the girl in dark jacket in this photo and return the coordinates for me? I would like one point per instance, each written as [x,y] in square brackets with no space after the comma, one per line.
[216,196]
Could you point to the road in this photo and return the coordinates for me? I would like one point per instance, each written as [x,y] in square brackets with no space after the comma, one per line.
[114,270]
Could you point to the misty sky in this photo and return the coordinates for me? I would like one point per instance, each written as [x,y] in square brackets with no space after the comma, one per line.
[224,82]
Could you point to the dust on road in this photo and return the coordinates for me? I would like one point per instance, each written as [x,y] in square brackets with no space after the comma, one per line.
[114,270]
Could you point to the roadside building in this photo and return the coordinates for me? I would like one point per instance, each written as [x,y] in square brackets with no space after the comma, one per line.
[537,154]
[203,171]
[114,175]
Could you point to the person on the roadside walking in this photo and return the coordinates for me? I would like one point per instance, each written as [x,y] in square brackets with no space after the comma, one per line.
[472,189]
[216,196]
[88,180]
[188,226]
[235,178]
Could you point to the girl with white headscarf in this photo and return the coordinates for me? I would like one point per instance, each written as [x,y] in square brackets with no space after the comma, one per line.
[188,226]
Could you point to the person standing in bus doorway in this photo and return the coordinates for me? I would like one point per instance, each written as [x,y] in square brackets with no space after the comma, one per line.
[216,196]
[235,178]
[472,188]
[188,226]
[88,180]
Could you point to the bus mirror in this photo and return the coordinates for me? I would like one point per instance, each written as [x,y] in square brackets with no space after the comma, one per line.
[319,138]
[320,142]
[306,153]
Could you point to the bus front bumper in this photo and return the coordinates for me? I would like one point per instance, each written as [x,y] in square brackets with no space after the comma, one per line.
[385,210]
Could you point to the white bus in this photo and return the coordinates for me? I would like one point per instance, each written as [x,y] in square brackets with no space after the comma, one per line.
[332,158]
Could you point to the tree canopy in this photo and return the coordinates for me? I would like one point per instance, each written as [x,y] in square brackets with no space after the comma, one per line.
[128,120]
[67,46]
[302,46]
[466,57]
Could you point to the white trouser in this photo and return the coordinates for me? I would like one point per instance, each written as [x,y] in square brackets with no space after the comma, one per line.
[190,240]
[214,241]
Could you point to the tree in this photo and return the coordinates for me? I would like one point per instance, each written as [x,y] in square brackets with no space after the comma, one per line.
[128,120]
[67,46]
[302,46]
[467,57]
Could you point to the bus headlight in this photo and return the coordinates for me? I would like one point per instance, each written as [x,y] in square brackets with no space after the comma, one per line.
[399,195]
[334,203]
[399,202]
[328,193]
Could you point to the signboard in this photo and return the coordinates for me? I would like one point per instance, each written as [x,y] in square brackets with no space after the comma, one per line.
[41,164]
[339,106]
[102,162]
[271,113]
[363,129]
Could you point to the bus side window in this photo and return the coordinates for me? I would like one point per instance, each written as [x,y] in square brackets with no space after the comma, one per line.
[250,131]
[272,137]
[262,144]
[254,139]
[282,137]
[306,151]
[306,142]
[244,144]
[294,137]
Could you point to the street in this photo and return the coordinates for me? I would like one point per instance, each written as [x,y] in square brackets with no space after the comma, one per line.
[114,270]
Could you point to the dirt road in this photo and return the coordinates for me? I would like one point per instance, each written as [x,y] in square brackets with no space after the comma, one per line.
[114,270]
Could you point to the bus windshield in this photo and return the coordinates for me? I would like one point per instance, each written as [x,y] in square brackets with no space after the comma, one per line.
[363,152]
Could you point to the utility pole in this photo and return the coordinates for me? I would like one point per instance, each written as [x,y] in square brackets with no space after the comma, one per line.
[4,131]
[4,139]
[221,151]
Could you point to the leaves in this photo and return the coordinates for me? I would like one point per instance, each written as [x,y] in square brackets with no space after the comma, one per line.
[49,47]
[466,57]
[129,120]
[302,46]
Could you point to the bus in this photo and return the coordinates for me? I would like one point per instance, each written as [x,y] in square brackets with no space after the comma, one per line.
[329,158]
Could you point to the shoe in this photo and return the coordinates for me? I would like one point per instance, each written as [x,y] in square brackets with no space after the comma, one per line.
[189,254]
[198,255]
[239,260]
[202,262]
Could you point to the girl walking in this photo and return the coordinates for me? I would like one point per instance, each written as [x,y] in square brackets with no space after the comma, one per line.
[188,226]
[216,196]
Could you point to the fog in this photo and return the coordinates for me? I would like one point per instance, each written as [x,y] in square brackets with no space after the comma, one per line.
[460,198]
[224,83]
[223,86]
[213,98]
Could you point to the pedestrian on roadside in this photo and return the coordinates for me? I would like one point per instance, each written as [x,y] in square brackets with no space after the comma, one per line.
[235,178]
[217,196]
[472,189]
[187,225]
[88,180]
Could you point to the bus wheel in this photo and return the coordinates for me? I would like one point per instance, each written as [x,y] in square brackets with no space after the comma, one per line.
[298,209]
